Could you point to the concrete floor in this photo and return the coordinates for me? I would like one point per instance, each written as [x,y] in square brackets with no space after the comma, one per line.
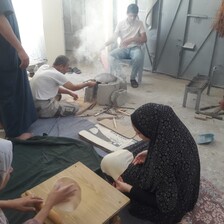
[159,88]
[164,89]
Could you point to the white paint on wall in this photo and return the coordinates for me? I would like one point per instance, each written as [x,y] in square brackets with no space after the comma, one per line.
[53,29]
[30,20]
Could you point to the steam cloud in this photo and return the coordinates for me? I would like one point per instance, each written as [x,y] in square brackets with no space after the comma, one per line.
[91,37]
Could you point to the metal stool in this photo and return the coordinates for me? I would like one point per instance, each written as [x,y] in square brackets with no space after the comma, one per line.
[197,85]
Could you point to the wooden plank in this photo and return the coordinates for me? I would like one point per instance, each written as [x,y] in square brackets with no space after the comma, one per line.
[126,131]
[99,200]
[87,106]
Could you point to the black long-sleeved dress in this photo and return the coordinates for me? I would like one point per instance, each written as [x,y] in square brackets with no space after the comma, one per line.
[17,111]
[166,186]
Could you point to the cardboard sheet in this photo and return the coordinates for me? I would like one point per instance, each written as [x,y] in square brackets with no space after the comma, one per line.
[126,131]
[105,138]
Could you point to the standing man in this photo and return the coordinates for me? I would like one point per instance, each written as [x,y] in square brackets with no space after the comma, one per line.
[49,83]
[17,111]
[132,34]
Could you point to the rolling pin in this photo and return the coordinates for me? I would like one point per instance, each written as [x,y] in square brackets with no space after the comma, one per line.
[52,216]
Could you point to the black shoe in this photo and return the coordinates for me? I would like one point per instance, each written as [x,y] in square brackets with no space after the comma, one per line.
[134,84]
[75,70]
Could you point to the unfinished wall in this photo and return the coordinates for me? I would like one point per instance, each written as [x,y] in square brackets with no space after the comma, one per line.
[53,28]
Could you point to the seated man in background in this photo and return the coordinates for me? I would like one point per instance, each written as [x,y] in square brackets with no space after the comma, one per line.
[132,34]
[47,85]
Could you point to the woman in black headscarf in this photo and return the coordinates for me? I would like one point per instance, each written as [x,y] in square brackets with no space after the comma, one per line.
[162,181]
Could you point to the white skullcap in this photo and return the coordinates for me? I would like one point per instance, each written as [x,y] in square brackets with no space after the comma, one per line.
[115,163]
[5,158]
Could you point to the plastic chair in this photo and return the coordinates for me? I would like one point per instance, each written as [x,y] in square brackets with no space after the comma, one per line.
[129,62]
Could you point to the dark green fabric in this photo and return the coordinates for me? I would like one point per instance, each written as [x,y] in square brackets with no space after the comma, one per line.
[39,158]
[17,110]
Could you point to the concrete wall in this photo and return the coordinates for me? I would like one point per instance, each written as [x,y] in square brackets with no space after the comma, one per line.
[53,28]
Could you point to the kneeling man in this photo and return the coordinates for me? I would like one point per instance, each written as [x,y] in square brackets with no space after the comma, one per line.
[49,83]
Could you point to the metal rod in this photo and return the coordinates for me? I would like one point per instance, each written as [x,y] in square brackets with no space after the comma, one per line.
[198,16]
[211,71]
[184,39]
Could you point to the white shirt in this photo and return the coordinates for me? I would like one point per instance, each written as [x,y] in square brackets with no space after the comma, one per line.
[46,82]
[125,30]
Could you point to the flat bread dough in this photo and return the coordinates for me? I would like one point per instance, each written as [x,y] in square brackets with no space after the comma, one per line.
[74,201]
[115,163]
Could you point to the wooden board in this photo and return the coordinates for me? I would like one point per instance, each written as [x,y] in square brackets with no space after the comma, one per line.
[105,138]
[127,131]
[99,200]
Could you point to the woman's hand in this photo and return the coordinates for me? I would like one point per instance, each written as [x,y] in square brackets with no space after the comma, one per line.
[122,186]
[57,195]
[60,194]
[24,58]
[74,95]
[25,204]
[140,158]
[91,83]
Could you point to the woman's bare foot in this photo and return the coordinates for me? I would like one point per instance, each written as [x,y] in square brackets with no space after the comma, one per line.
[24,136]
[115,220]
[1,126]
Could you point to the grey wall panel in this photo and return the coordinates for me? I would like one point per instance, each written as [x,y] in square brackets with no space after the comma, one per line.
[192,23]
[171,33]
[199,32]
[205,7]
[200,64]
[198,61]
[73,12]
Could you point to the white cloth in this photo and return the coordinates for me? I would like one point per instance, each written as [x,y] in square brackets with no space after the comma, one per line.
[5,158]
[5,164]
[3,219]
[115,163]
[125,30]
[46,82]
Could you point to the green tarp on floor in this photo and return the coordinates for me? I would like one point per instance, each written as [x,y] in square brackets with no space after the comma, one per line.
[39,158]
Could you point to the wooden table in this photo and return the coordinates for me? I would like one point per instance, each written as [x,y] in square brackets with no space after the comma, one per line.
[99,200]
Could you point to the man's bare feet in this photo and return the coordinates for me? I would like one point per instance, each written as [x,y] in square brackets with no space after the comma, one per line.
[24,136]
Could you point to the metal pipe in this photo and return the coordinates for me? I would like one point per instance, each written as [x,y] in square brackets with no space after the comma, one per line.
[157,35]
[184,39]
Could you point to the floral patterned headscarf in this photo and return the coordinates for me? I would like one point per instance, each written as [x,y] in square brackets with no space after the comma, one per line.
[172,151]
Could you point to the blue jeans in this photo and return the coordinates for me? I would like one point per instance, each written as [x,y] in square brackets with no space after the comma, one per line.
[134,53]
